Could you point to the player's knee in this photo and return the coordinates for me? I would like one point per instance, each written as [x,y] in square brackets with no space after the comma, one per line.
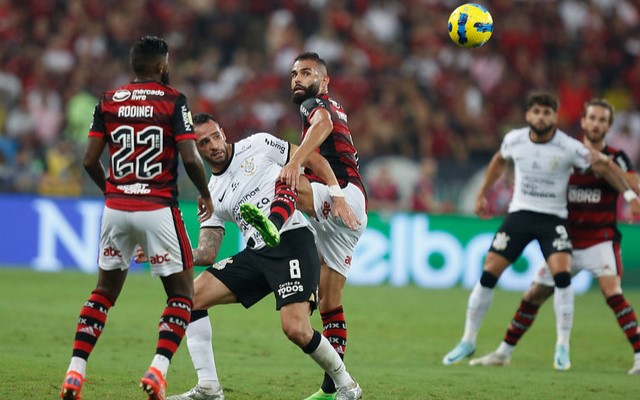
[296,332]
[562,279]
[488,280]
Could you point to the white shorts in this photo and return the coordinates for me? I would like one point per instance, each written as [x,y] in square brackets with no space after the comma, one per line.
[602,259]
[335,241]
[160,233]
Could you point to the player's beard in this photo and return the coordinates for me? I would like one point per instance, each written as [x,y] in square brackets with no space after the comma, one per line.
[310,91]
[542,131]
[164,77]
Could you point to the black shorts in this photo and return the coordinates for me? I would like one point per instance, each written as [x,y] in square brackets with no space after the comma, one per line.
[291,271]
[521,227]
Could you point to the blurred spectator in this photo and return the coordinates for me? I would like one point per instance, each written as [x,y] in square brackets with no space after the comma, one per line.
[6,173]
[383,192]
[28,171]
[63,176]
[408,90]
[424,197]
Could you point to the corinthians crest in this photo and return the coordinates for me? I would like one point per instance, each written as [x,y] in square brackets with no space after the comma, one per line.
[249,167]
[501,240]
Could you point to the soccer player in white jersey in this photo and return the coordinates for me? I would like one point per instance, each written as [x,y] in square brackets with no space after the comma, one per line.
[543,158]
[592,220]
[244,182]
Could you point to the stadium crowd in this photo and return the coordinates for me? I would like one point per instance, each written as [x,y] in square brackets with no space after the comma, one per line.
[411,94]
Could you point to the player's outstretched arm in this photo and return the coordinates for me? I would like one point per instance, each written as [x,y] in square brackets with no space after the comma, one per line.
[195,169]
[320,129]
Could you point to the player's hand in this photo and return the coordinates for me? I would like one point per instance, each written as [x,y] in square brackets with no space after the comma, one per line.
[343,211]
[290,174]
[205,208]
[139,256]
[481,207]
[634,207]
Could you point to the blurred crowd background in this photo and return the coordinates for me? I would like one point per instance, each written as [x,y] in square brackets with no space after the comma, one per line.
[426,116]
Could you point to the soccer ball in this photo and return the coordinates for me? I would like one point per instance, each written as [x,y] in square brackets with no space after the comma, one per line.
[470,25]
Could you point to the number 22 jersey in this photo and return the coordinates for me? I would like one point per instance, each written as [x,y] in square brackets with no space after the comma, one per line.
[142,123]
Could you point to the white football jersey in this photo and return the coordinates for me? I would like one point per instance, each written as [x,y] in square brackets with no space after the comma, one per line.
[542,170]
[250,178]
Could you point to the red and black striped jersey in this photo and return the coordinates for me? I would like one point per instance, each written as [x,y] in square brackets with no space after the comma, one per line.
[141,123]
[592,204]
[338,147]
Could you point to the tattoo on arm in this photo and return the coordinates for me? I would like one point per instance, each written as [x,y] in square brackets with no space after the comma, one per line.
[209,242]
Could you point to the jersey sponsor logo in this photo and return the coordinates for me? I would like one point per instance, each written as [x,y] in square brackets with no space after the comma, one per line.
[141,94]
[582,195]
[121,95]
[111,252]
[304,111]
[289,289]
[276,145]
[159,259]
[135,111]
[341,115]
[501,240]
[135,188]
[249,167]
[186,118]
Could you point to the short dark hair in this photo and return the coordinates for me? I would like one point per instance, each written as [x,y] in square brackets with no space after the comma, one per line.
[544,99]
[600,102]
[309,55]
[146,53]
[203,118]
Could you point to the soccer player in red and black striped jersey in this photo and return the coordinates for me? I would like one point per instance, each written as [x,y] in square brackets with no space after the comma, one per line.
[325,129]
[147,127]
[592,205]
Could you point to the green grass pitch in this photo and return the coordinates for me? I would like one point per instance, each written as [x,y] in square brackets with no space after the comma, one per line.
[397,338]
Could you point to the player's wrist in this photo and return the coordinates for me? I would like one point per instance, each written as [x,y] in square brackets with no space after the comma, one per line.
[629,195]
[335,191]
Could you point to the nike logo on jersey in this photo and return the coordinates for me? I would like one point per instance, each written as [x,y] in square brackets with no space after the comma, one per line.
[222,197]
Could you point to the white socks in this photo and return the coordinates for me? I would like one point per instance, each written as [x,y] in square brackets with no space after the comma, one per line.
[199,336]
[327,358]
[505,349]
[563,307]
[161,363]
[79,365]
[479,302]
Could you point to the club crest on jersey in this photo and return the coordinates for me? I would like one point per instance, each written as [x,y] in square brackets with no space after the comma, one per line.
[249,167]
[554,163]
[121,95]
[501,240]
